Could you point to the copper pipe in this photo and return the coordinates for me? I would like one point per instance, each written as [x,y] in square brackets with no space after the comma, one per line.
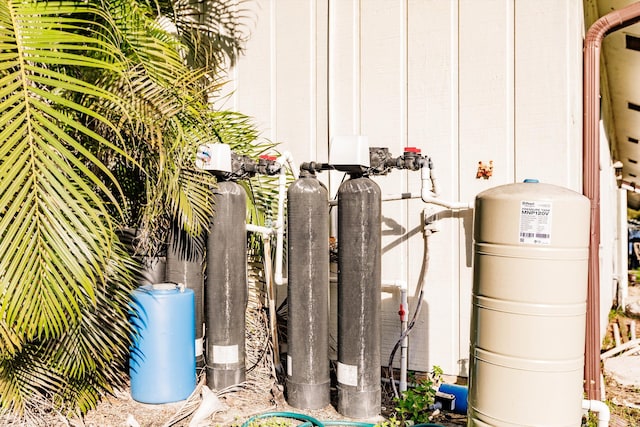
[591,181]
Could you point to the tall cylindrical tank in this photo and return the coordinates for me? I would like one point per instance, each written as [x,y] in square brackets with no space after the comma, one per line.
[226,288]
[359,287]
[308,377]
[529,306]
[185,265]
[162,359]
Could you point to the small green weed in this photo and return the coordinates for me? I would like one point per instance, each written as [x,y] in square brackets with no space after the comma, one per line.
[270,422]
[391,422]
[414,403]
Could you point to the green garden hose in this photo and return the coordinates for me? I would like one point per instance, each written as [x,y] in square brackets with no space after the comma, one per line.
[312,422]
[309,421]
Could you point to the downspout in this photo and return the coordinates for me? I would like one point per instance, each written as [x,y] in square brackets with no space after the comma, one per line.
[591,181]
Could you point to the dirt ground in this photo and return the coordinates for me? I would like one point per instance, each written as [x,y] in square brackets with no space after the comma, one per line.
[263,393]
[624,402]
[238,406]
[243,404]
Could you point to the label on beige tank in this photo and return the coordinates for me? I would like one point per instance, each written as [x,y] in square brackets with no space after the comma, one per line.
[348,374]
[225,354]
[535,222]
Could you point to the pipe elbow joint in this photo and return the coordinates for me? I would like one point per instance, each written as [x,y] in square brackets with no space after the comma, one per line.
[431,197]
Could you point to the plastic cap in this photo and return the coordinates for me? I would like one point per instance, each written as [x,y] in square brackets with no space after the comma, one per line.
[531,180]
[412,150]
[268,157]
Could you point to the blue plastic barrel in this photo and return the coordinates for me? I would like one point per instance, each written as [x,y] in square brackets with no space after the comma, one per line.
[460,392]
[162,362]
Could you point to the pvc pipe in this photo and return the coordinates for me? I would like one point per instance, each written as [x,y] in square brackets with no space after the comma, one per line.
[400,196]
[271,294]
[279,227]
[404,307]
[429,197]
[287,158]
[429,194]
[404,313]
[601,408]
[629,186]
[265,231]
[621,348]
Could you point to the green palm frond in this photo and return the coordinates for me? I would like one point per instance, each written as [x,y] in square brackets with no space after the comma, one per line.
[75,368]
[54,228]
[102,108]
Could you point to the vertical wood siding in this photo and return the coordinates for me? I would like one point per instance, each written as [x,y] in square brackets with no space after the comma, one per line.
[466,81]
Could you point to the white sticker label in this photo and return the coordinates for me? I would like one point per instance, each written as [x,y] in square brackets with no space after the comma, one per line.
[199,347]
[535,222]
[348,374]
[289,366]
[225,354]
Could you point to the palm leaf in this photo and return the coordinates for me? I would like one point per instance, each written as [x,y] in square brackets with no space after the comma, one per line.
[45,196]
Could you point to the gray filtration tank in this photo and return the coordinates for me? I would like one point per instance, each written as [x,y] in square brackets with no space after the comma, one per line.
[308,377]
[529,306]
[185,265]
[359,287]
[226,288]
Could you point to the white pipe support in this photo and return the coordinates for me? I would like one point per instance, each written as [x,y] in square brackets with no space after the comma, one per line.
[599,407]
[279,228]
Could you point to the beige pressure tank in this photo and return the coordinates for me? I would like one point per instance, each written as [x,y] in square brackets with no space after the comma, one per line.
[529,306]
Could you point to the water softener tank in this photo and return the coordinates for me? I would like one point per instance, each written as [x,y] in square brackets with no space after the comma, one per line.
[359,287]
[529,306]
[308,377]
[226,291]
[162,363]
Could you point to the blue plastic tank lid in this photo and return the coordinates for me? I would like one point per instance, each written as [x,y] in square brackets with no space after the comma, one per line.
[531,180]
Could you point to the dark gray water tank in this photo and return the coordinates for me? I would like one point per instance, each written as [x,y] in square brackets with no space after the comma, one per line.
[308,377]
[359,287]
[226,288]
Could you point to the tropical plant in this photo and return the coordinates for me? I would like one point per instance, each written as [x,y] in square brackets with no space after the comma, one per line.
[413,405]
[102,104]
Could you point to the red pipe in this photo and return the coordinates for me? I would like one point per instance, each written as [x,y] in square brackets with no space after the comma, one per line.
[591,181]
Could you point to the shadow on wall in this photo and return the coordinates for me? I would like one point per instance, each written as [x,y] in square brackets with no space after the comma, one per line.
[390,322]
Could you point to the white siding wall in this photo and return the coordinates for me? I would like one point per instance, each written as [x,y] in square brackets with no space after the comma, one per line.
[466,81]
